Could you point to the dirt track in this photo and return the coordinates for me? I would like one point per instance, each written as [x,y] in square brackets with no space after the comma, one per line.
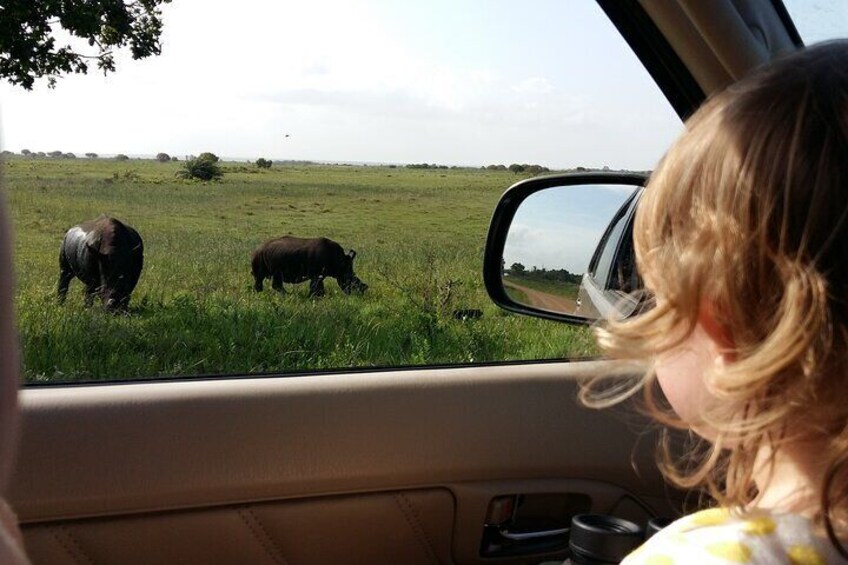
[544,300]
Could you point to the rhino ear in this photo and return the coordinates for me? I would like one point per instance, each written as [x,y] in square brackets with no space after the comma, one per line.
[351,254]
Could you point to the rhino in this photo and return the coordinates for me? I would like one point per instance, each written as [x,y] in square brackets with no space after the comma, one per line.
[105,254]
[290,259]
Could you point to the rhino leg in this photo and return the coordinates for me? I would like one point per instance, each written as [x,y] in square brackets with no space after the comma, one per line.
[91,289]
[316,288]
[65,277]
[257,284]
[277,283]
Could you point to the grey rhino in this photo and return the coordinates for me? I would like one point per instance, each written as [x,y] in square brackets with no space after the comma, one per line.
[107,256]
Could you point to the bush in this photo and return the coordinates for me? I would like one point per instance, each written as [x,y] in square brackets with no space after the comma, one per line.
[207,156]
[175,158]
[121,157]
[163,157]
[536,169]
[263,163]
[202,169]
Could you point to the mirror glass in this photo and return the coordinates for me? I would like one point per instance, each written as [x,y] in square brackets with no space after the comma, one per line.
[569,250]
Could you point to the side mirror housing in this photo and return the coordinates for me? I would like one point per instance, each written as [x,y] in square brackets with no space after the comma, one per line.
[560,247]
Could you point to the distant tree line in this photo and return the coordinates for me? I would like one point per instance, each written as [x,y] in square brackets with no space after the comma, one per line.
[554,275]
[426,166]
[42,154]
[519,168]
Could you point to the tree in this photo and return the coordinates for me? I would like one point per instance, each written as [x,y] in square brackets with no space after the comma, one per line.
[69,156]
[56,154]
[207,156]
[30,50]
[203,169]
[91,155]
[26,152]
[121,157]
[516,168]
[263,163]
[174,158]
[163,157]
[517,269]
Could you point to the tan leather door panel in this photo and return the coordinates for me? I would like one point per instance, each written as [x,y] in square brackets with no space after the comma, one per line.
[326,461]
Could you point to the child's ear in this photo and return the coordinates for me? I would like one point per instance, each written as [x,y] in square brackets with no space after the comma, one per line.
[719,333]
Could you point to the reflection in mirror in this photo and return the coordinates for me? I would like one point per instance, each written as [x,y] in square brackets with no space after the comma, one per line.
[569,250]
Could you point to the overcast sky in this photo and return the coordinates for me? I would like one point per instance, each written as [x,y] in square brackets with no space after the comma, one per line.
[465,83]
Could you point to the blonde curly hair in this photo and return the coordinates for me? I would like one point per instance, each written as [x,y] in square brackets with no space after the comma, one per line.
[747,214]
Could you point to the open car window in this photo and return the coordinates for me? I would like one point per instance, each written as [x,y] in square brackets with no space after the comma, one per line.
[360,155]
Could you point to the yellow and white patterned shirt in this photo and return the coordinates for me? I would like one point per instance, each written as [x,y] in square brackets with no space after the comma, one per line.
[718,536]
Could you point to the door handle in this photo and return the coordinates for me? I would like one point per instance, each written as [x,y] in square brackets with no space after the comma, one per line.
[532,535]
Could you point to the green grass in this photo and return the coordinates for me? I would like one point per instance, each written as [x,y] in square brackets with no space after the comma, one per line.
[419,235]
[516,295]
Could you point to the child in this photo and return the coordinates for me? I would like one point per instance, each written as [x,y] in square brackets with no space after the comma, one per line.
[742,240]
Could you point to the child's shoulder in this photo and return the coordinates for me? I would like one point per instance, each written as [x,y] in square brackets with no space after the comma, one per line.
[719,535]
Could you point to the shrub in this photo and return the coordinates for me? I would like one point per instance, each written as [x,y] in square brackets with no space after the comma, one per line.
[263,163]
[207,156]
[121,157]
[202,169]
[163,157]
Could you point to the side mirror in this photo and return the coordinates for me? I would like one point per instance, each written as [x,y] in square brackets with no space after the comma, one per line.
[560,247]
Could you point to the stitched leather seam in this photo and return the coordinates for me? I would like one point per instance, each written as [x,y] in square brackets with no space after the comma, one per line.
[70,545]
[257,528]
[413,519]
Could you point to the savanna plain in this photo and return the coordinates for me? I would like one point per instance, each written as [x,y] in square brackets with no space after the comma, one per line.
[419,236]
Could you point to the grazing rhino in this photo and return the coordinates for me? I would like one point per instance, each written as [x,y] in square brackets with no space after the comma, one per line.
[294,260]
[107,256]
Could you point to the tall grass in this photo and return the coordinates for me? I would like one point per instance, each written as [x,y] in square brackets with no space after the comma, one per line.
[419,235]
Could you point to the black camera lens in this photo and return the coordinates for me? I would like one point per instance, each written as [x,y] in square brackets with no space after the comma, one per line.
[598,539]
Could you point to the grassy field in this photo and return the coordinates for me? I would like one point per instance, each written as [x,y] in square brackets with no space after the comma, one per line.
[419,235]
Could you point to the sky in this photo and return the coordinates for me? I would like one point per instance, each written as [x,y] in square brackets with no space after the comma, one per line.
[457,83]
[559,228]
[475,82]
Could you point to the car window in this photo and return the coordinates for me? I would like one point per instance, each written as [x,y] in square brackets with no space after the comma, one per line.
[608,247]
[353,156]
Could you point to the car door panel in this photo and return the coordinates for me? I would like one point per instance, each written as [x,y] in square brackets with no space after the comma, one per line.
[94,455]
[399,527]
